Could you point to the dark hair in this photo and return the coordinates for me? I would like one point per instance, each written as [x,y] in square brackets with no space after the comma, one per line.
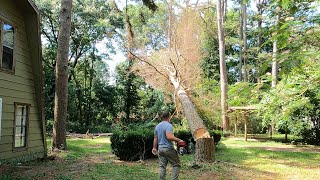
[165,114]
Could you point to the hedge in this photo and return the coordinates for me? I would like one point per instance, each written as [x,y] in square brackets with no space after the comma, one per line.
[135,145]
[132,145]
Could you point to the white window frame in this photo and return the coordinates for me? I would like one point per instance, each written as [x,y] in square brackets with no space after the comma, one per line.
[16,105]
[2,22]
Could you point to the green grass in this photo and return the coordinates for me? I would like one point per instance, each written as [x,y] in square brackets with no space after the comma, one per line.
[6,177]
[78,148]
[269,157]
[120,172]
[236,159]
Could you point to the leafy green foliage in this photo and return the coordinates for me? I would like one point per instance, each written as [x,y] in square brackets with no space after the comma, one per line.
[294,103]
[132,145]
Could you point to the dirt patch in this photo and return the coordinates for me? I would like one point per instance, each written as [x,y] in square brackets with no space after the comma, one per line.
[53,169]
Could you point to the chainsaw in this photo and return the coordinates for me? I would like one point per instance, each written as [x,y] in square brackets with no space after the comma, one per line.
[181,146]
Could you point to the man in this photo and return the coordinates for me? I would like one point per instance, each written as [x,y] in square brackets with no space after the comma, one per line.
[163,135]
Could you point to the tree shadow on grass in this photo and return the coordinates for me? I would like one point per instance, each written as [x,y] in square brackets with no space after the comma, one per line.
[250,157]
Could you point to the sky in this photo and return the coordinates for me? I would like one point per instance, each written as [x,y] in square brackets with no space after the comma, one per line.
[114,59]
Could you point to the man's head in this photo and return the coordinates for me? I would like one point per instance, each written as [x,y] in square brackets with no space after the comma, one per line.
[165,116]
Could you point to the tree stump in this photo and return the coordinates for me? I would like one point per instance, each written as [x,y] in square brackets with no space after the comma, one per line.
[204,150]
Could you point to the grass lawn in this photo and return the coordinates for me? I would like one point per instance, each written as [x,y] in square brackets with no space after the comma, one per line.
[236,159]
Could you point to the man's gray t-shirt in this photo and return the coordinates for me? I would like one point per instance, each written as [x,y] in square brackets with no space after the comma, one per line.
[160,131]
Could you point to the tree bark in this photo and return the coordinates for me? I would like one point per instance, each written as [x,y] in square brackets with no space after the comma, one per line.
[275,63]
[204,150]
[245,127]
[241,45]
[286,134]
[196,125]
[245,55]
[236,127]
[275,67]
[61,95]
[259,7]
[223,68]
[170,22]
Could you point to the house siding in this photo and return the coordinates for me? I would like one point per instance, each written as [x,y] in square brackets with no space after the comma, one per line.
[19,87]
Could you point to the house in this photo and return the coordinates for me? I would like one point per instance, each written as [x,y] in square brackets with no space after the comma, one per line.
[22,128]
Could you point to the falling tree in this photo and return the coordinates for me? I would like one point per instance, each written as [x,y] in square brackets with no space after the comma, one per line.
[177,70]
[61,95]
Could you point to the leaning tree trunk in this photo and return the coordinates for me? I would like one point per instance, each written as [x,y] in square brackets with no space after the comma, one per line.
[204,144]
[204,147]
[61,95]
[223,68]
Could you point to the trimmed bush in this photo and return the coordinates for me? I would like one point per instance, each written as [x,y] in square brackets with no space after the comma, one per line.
[311,136]
[132,145]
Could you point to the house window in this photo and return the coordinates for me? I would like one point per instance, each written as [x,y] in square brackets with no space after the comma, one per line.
[21,122]
[7,46]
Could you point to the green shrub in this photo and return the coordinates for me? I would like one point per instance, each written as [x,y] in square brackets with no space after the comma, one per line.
[311,136]
[136,144]
[132,145]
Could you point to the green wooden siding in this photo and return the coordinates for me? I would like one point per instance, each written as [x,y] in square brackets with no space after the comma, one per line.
[19,87]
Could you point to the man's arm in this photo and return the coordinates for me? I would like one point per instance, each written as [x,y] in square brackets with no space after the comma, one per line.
[155,145]
[171,137]
[155,142]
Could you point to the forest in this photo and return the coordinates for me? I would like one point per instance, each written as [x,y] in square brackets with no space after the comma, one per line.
[239,77]
[271,63]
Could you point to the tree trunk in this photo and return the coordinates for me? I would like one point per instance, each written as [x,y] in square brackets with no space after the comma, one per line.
[204,150]
[236,128]
[275,63]
[246,127]
[241,45]
[259,7]
[225,10]
[223,69]
[61,95]
[245,55]
[170,22]
[286,134]
[195,123]
[204,144]
[275,67]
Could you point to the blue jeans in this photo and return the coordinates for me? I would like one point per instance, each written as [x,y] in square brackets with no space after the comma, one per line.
[170,155]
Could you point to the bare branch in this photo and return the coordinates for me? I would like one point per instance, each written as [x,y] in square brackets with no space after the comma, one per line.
[148,63]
